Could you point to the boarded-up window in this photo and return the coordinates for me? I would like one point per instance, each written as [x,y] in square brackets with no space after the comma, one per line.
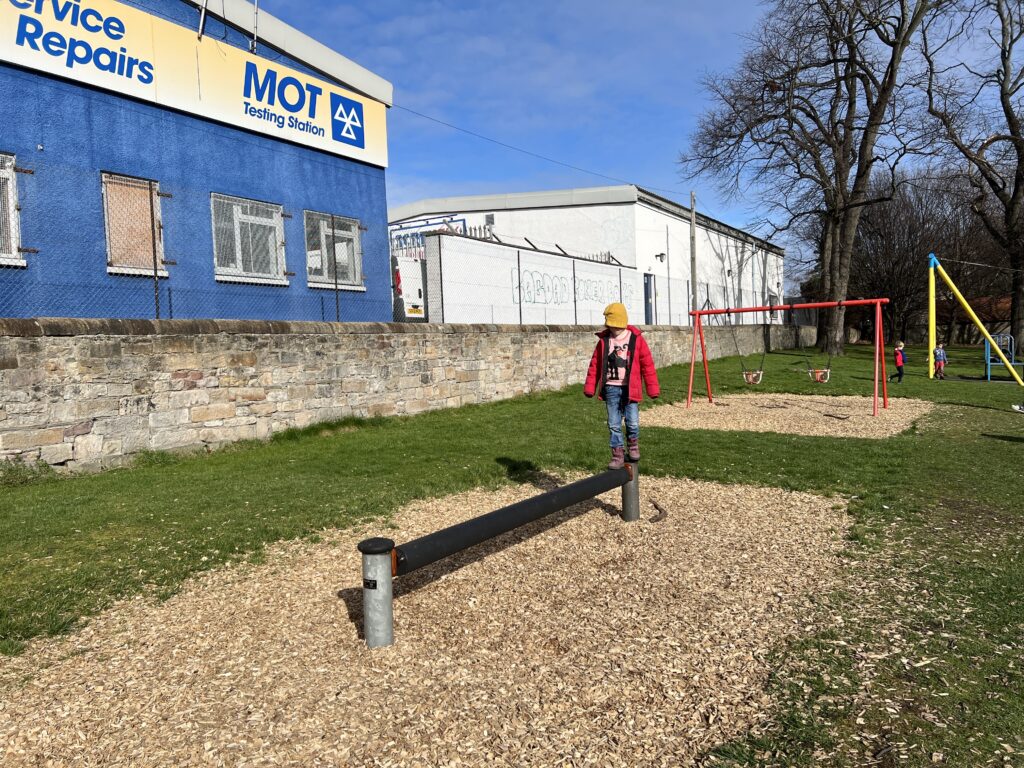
[9,236]
[134,230]
[248,239]
[333,253]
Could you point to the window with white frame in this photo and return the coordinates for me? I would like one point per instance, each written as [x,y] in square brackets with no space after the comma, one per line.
[248,240]
[333,252]
[131,209]
[10,239]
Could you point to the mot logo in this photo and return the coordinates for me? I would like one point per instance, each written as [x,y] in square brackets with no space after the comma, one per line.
[347,121]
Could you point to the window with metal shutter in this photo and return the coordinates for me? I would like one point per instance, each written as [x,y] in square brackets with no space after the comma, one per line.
[134,230]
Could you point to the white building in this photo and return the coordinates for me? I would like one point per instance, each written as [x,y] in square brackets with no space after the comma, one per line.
[625,226]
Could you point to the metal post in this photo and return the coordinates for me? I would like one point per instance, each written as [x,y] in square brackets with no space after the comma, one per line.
[154,233]
[334,252]
[631,494]
[519,282]
[575,300]
[881,355]
[202,19]
[255,26]
[694,285]
[878,357]
[931,323]
[378,612]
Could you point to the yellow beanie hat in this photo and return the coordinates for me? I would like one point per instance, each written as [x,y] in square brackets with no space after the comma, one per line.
[615,316]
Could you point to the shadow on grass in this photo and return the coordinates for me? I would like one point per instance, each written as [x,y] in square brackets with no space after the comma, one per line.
[1004,438]
[519,471]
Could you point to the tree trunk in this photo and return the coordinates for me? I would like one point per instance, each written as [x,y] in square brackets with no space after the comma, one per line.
[1017,299]
[825,256]
[947,337]
[843,241]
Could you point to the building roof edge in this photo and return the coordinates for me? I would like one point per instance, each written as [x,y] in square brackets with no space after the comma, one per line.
[564,198]
[301,47]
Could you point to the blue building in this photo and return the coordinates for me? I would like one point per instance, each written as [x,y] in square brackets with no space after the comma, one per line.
[179,159]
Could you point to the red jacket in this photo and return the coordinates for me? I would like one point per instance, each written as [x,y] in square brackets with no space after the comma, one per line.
[644,371]
[900,356]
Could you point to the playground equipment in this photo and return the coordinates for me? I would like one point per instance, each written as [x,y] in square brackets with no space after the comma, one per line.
[990,343]
[750,376]
[383,561]
[819,375]
[1008,345]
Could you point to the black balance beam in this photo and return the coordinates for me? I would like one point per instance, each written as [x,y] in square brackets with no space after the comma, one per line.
[440,544]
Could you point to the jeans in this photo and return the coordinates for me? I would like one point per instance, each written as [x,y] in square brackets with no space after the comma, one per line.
[619,408]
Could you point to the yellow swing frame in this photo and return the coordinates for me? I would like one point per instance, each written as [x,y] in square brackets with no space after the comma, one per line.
[933,267]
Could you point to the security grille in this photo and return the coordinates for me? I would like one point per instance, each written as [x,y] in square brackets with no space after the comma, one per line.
[333,254]
[248,240]
[133,225]
[9,238]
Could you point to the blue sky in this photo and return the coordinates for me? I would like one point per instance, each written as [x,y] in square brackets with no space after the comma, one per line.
[612,87]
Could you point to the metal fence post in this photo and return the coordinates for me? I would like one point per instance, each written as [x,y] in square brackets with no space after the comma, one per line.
[631,494]
[519,280]
[153,242]
[575,300]
[334,250]
[378,611]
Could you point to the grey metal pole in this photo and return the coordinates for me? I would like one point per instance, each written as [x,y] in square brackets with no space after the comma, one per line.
[631,494]
[378,612]
[694,301]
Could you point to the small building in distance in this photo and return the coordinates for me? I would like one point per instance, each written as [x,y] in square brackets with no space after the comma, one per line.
[645,237]
[184,159]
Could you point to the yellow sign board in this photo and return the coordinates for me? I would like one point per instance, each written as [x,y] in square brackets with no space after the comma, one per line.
[119,48]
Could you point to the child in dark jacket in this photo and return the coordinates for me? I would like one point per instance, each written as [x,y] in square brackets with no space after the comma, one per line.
[621,367]
[901,360]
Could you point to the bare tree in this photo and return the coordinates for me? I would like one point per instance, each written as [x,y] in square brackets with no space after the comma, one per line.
[930,211]
[974,93]
[891,240]
[813,109]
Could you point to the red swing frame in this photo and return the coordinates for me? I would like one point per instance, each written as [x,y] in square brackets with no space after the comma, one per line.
[698,333]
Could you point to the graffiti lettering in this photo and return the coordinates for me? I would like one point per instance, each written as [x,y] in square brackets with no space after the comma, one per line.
[599,291]
[537,287]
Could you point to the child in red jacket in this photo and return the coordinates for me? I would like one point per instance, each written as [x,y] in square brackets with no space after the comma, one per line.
[619,370]
[900,358]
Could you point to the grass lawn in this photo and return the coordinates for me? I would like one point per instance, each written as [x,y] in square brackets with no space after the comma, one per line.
[935,552]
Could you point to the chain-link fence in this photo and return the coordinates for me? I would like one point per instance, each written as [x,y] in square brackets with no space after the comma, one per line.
[81,243]
[476,281]
[76,243]
[447,277]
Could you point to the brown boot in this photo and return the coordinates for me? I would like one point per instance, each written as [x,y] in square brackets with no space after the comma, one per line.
[618,458]
[634,449]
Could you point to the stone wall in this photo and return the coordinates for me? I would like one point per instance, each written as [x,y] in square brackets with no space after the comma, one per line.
[85,394]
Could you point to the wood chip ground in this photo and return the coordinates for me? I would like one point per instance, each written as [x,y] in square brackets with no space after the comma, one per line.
[843,416]
[578,640]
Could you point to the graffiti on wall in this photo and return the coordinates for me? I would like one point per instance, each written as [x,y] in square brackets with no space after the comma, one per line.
[536,287]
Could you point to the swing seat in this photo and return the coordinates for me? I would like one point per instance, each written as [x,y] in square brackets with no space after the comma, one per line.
[752,377]
[820,375]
